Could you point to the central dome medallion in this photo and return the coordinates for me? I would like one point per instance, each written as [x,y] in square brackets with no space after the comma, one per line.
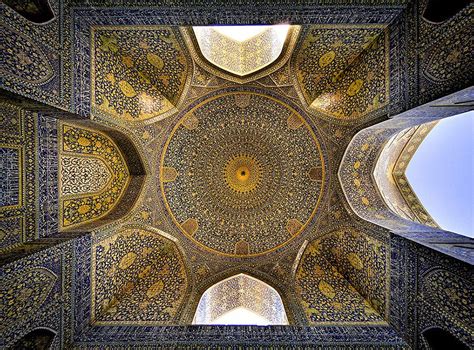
[242,173]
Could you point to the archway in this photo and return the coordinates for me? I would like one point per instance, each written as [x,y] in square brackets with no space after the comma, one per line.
[441,171]
[438,339]
[241,299]
[37,339]
[438,11]
[424,174]
[101,174]
[356,173]
[36,11]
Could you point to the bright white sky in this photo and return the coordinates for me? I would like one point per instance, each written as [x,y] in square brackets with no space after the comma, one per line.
[442,173]
[242,33]
[241,316]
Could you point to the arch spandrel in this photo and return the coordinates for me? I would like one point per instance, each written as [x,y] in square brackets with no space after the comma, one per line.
[323,284]
[139,74]
[342,71]
[445,289]
[23,294]
[139,277]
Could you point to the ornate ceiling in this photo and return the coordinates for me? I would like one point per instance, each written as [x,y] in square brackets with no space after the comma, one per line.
[242,172]
[162,172]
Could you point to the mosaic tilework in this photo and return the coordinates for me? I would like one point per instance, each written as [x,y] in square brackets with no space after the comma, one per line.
[444,294]
[10,120]
[342,71]
[198,12]
[30,291]
[330,337]
[326,296]
[11,162]
[137,73]
[240,291]
[11,229]
[17,142]
[389,174]
[249,337]
[81,293]
[402,287]
[34,294]
[451,293]
[138,278]
[76,209]
[48,219]
[32,65]
[429,289]
[10,183]
[445,61]
[363,261]
[83,175]
[238,59]
[243,185]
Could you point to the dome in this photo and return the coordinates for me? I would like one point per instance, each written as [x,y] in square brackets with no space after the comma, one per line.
[242,172]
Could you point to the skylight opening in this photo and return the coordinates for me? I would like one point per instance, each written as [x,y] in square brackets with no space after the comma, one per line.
[243,33]
[241,300]
[241,316]
[241,50]
[441,173]
[240,33]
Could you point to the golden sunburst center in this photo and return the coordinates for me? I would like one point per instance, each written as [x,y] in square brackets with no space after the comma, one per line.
[243,173]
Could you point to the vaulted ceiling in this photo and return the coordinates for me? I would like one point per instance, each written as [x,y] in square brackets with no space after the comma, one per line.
[181,158]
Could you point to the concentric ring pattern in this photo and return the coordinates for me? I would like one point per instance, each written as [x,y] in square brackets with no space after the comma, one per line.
[242,173]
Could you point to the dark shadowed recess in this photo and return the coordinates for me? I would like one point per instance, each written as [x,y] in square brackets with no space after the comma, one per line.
[36,11]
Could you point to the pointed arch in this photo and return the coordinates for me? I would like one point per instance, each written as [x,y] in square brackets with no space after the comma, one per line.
[437,338]
[37,339]
[206,46]
[356,174]
[438,11]
[82,148]
[36,11]
[242,292]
